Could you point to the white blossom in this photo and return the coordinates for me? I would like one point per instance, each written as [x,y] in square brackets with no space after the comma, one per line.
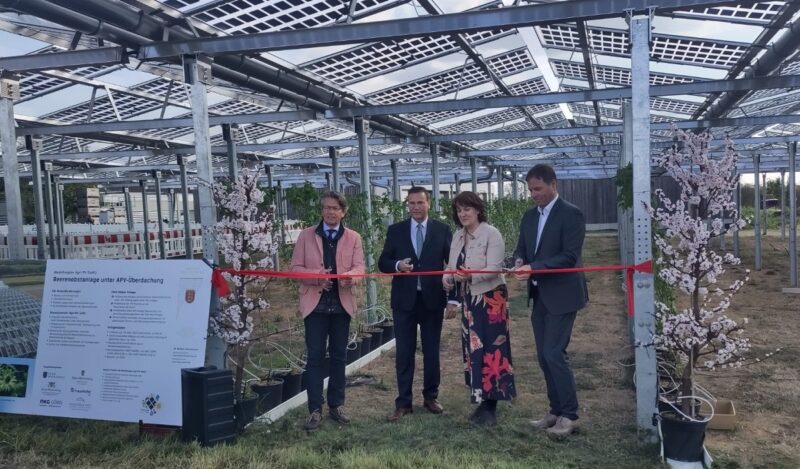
[244,239]
[701,334]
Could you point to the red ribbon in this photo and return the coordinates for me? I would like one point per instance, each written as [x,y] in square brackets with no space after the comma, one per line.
[218,281]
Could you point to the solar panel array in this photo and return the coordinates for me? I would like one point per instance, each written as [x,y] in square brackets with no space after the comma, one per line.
[414,70]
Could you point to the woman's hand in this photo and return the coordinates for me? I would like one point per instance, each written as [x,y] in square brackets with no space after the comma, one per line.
[451,311]
[447,283]
[462,276]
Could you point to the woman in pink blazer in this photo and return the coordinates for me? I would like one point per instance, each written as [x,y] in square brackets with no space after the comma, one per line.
[327,304]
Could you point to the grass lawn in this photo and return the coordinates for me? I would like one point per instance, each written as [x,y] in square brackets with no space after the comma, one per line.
[20,280]
[766,398]
[418,441]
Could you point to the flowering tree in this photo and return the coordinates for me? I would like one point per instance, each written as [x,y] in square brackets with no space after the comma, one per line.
[244,239]
[700,334]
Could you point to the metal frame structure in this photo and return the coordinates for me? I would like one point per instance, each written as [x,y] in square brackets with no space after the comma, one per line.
[392,102]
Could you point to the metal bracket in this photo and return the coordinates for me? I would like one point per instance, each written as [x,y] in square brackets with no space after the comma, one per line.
[196,68]
[230,132]
[9,85]
[32,143]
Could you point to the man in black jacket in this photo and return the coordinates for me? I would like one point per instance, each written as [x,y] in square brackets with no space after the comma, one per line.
[417,244]
[551,237]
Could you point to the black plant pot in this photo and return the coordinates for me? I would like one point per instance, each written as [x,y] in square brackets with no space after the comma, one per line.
[244,411]
[366,344]
[269,394]
[292,382]
[388,331]
[353,351]
[683,440]
[377,335]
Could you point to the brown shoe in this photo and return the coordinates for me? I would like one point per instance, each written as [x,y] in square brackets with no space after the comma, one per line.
[433,406]
[545,422]
[563,428]
[313,421]
[337,414]
[399,413]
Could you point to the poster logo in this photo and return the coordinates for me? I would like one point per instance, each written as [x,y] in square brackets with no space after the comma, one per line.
[151,404]
[189,296]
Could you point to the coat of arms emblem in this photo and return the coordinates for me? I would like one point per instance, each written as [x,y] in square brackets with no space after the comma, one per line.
[189,296]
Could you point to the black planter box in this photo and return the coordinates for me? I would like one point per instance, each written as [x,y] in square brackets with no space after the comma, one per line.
[207,406]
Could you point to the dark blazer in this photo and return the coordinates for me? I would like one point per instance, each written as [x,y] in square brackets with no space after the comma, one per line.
[434,255]
[560,247]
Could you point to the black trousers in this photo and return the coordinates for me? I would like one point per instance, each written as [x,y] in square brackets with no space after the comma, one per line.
[405,330]
[331,330]
[552,332]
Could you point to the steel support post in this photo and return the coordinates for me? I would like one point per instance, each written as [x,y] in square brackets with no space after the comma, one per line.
[35,146]
[363,161]
[626,216]
[187,224]
[172,206]
[61,236]
[501,192]
[126,192]
[457,179]
[435,177]
[47,167]
[738,195]
[514,185]
[9,91]
[161,244]
[783,206]
[230,133]
[196,74]
[792,214]
[644,300]
[395,181]
[473,171]
[335,167]
[764,204]
[145,218]
[268,172]
[281,211]
[757,210]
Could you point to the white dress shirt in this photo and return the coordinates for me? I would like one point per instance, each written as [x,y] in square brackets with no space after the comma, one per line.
[544,212]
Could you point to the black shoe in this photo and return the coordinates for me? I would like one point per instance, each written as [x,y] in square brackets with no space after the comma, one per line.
[483,418]
[337,414]
[313,421]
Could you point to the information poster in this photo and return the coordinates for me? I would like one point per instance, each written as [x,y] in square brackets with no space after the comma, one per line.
[113,338]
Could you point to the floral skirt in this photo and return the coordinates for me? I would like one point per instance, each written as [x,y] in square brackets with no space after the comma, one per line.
[487,346]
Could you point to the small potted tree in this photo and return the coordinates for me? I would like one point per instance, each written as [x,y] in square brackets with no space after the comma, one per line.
[243,235]
[697,333]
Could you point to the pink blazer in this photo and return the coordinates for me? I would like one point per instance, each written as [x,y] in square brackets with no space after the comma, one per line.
[307,257]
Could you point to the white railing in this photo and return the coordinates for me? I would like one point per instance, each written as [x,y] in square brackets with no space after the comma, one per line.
[114,241]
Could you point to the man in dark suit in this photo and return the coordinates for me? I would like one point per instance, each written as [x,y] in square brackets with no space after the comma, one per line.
[551,237]
[417,244]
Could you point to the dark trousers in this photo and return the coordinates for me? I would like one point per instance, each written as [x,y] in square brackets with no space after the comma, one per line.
[405,332]
[332,330]
[552,333]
